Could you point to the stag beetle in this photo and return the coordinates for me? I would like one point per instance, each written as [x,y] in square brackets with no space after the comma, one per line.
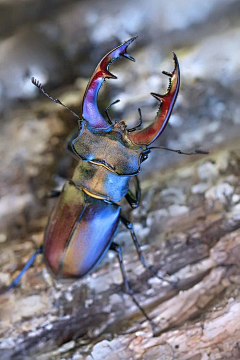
[87,215]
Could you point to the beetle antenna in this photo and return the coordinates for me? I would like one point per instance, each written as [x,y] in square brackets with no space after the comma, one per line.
[57,101]
[195,152]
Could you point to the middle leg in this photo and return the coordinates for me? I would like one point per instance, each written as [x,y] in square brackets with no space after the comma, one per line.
[141,257]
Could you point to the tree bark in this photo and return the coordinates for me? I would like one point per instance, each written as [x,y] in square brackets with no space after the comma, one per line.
[190,219]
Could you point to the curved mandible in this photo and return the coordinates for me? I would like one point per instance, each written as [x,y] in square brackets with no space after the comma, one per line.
[90,110]
[149,134]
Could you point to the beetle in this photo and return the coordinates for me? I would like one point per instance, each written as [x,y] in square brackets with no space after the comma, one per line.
[81,228]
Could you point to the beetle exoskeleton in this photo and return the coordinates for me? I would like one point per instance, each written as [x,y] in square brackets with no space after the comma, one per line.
[82,226]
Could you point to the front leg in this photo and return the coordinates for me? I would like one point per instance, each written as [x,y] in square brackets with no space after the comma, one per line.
[134,199]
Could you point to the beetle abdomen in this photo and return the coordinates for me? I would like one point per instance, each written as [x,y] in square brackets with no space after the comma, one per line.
[80,232]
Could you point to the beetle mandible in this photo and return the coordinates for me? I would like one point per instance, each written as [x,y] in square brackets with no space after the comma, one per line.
[86,217]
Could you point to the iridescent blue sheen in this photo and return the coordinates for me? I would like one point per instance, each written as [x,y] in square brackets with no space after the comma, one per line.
[79,233]
[112,187]
[82,226]
[90,110]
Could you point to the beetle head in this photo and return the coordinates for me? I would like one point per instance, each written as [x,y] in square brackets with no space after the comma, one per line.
[95,120]
[121,148]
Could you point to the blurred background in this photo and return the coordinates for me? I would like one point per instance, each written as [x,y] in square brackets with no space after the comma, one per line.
[60,42]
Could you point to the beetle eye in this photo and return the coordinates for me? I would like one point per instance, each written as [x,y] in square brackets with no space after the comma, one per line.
[144,157]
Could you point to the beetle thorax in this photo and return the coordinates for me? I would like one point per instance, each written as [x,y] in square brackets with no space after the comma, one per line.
[111,149]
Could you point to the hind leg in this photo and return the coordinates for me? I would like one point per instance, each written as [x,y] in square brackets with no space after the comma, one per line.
[29,263]
[117,248]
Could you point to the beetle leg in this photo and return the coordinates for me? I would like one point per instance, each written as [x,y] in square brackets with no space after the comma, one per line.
[53,194]
[150,268]
[132,199]
[25,268]
[68,145]
[117,248]
[73,135]
[129,226]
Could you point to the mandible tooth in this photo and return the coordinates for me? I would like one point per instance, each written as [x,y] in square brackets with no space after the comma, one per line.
[127,56]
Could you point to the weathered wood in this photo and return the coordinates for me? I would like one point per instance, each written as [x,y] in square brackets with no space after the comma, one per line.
[197,241]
